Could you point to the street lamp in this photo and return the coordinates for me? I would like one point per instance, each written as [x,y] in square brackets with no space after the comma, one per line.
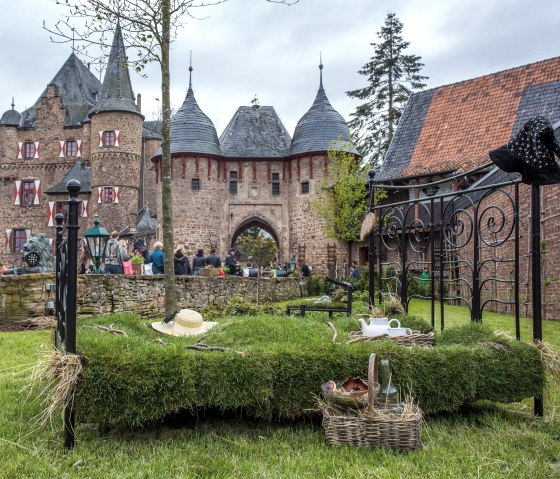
[96,242]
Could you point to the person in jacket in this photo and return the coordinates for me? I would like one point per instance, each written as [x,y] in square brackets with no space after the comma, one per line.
[157,258]
[231,262]
[213,259]
[198,262]
[115,254]
[139,247]
[181,262]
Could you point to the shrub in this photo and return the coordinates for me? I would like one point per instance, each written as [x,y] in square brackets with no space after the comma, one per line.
[316,285]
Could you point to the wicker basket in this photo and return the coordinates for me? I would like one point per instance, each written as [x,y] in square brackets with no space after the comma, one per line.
[373,427]
[417,338]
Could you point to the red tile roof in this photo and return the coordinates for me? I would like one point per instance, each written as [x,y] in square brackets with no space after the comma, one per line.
[465,120]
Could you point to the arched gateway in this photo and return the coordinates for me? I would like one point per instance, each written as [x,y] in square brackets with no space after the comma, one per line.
[255,226]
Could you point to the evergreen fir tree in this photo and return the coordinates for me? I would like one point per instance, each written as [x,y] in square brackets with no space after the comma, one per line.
[391,76]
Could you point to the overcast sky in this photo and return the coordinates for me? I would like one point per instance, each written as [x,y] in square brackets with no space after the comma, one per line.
[250,47]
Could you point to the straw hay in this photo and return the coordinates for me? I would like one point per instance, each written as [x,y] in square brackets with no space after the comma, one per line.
[56,375]
[550,358]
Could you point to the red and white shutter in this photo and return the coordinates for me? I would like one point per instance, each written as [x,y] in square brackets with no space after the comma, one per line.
[99,193]
[27,234]
[117,194]
[9,240]
[79,148]
[37,193]
[100,138]
[17,193]
[117,138]
[36,155]
[84,208]
[20,150]
[51,214]
[61,153]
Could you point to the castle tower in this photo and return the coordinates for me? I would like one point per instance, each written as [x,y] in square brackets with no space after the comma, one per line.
[195,168]
[315,133]
[116,145]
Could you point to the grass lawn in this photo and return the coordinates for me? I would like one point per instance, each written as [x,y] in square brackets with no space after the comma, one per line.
[487,440]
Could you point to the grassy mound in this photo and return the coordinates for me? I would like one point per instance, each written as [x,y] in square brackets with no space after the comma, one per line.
[131,381]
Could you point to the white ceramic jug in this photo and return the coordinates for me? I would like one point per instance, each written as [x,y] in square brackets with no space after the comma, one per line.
[376,326]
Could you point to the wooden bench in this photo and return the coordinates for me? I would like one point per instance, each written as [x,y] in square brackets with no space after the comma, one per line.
[302,308]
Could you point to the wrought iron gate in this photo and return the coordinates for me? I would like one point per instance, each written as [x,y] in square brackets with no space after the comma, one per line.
[66,291]
[457,247]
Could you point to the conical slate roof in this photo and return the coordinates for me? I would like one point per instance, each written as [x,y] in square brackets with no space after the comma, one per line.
[320,126]
[255,132]
[11,117]
[77,172]
[78,89]
[192,131]
[117,94]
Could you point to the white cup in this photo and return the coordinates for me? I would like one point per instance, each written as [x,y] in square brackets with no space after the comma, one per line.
[398,331]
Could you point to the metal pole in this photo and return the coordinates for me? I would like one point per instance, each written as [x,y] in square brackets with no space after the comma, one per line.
[371,253]
[536,277]
[73,187]
[58,303]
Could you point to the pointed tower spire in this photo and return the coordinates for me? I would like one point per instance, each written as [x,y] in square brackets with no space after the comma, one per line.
[320,70]
[190,71]
[13,104]
[117,93]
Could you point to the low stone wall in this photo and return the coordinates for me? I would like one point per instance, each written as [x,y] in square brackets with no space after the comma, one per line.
[30,295]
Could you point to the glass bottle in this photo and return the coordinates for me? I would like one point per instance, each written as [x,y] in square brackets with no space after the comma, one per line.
[389,397]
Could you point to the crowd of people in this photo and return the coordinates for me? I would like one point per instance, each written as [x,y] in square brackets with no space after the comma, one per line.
[118,258]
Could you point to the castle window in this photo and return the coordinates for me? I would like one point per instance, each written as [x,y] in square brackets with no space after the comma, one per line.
[108,195]
[71,148]
[19,238]
[62,207]
[233,182]
[304,187]
[195,184]
[27,193]
[28,149]
[109,138]
[275,184]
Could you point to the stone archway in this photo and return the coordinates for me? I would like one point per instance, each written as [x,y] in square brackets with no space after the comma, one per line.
[255,223]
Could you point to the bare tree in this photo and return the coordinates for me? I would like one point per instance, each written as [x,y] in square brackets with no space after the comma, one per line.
[148,28]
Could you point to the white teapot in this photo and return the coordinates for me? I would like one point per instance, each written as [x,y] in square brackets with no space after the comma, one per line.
[376,326]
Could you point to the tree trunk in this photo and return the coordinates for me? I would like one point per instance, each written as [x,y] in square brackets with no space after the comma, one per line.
[167,220]
[349,255]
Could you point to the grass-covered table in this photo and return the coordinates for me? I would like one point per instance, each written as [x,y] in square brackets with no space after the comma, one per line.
[135,380]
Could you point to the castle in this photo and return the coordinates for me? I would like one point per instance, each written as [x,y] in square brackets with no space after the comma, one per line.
[254,174]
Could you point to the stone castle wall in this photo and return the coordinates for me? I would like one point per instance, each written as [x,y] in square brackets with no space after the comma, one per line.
[28,296]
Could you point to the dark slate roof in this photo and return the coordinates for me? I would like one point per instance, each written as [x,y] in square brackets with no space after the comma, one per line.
[152,129]
[192,131]
[410,126]
[147,223]
[78,89]
[11,118]
[319,127]
[453,127]
[117,94]
[255,132]
[77,172]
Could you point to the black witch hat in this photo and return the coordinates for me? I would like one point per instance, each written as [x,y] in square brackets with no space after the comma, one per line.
[531,152]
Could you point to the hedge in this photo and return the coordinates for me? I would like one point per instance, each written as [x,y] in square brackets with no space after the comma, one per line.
[133,381]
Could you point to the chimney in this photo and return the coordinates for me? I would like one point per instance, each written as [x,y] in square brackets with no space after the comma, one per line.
[139,102]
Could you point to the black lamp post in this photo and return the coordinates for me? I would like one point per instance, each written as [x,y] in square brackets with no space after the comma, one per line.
[96,242]
[371,245]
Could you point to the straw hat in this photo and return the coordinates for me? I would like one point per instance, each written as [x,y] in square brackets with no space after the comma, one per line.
[186,323]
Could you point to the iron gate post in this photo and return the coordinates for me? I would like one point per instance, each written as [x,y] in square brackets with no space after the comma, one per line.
[536,278]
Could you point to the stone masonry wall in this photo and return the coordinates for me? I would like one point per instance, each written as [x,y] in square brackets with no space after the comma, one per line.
[27,296]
